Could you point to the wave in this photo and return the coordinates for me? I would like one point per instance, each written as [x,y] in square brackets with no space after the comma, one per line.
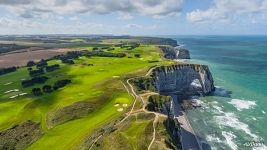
[242,104]
[230,120]
[229,139]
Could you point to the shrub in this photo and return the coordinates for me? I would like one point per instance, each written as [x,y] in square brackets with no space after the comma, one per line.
[7,70]
[47,89]
[37,91]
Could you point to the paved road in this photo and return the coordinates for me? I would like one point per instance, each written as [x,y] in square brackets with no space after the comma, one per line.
[189,139]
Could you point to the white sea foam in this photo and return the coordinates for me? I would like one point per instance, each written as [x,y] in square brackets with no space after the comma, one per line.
[229,137]
[230,120]
[262,147]
[213,138]
[242,104]
[263,112]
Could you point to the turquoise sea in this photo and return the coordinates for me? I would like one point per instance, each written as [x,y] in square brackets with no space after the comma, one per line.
[238,64]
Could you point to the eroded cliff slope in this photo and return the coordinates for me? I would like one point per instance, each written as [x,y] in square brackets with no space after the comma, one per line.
[183,79]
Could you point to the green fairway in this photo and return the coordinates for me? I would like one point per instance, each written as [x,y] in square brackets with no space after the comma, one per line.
[89,83]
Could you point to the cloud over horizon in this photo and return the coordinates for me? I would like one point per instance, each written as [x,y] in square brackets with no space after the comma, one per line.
[133,16]
[38,8]
[228,10]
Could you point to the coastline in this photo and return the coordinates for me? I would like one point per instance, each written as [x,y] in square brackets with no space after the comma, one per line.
[189,139]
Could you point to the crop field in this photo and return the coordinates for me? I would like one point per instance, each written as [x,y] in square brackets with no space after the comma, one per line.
[99,84]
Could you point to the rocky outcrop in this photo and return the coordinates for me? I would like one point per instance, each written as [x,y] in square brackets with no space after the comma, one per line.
[182,53]
[183,79]
[20,136]
[161,104]
[175,53]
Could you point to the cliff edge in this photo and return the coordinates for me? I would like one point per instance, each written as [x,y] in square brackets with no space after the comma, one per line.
[175,53]
[183,79]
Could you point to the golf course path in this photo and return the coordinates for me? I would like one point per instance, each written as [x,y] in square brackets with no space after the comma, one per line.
[154,131]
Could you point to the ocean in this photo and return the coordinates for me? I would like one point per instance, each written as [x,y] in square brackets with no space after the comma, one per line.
[238,64]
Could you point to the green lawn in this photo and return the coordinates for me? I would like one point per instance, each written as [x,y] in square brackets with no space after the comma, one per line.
[88,83]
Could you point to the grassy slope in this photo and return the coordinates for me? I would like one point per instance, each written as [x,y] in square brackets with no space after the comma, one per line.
[87,84]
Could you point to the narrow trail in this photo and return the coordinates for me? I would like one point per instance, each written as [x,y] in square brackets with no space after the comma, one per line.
[136,97]
[95,141]
[154,131]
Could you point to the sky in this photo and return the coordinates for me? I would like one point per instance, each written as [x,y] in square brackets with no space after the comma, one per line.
[134,17]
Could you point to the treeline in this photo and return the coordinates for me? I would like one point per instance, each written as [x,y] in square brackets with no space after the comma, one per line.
[41,67]
[128,46]
[33,81]
[48,88]
[4,48]
[7,70]
[69,56]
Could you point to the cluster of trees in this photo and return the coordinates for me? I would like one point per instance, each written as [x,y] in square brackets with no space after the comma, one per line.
[48,88]
[4,48]
[37,72]
[105,54]
[7,70]
[128,46]
[61,83]
[42,64]
[34,80]
[137,55]
[68,57]
[52,68]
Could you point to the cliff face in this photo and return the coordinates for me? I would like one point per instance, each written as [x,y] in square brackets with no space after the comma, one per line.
[175,53]
[183,54]
[183,79]
[161,104]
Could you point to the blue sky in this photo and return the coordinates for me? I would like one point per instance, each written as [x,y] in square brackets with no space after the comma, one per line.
[134,17]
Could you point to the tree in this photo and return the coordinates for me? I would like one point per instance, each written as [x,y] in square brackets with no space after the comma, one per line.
[7,70]
[137,55]
[36,72]
[47,89]
[30,63]
[42,64]
[37,91]
[61,83]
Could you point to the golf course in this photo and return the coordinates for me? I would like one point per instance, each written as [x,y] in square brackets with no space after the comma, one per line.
[91,111]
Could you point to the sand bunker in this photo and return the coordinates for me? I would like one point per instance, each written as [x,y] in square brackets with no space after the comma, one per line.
[8,83]
[116,105]
[15,90]
[21,94]
[14,96]
[125,105]
[120,109]
[116,76]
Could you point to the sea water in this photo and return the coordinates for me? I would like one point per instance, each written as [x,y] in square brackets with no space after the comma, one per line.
[238,64]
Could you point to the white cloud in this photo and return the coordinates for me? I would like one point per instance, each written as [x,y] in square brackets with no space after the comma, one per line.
[226,10]
[33,8]
[125,16]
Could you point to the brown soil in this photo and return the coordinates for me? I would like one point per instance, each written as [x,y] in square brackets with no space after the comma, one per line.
[21,57]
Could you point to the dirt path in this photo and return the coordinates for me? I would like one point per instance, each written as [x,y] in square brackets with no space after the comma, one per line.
[136,97]
[154,131]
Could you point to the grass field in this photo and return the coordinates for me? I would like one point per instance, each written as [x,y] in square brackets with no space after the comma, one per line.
[88,84]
